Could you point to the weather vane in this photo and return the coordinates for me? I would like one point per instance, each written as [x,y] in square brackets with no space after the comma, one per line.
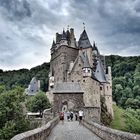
[84,25]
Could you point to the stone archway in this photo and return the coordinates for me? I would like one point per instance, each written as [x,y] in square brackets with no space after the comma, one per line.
[64,105]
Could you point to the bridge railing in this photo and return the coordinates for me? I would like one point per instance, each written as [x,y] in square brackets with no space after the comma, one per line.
[109,134]
[39,133]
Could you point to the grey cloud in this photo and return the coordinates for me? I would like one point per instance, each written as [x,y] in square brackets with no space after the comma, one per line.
[17,10]
[27,27]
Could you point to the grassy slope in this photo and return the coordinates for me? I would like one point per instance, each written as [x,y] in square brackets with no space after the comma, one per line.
[125,121]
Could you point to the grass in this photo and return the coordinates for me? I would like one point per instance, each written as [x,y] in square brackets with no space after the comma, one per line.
[118,121]
[124,121]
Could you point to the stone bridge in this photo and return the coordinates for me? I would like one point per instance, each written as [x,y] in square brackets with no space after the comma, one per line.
[72,130]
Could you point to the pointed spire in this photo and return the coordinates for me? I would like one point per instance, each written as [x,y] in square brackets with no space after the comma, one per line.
[84,40]
[53,44]
[64,34]
[99,73]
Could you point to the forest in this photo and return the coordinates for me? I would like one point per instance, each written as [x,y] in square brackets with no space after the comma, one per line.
[125,80]
[125,77]
[126,95]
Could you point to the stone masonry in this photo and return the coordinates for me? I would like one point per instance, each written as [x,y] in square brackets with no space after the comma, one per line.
[79,62]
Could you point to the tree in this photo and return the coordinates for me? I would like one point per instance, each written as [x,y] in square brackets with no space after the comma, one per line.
[38,103]
[12,119]
[2,88]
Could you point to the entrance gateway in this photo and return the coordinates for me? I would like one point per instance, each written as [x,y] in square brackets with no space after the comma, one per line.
[67,97]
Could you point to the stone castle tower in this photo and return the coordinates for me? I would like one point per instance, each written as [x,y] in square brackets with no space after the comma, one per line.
[78,76]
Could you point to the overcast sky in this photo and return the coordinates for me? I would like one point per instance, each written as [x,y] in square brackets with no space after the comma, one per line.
[27,28]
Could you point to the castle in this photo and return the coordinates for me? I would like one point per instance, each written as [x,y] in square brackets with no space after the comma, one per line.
[78,76]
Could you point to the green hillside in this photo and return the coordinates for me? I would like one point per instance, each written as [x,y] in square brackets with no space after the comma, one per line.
[23,77]
[126,80]
[125,121]
[125,74]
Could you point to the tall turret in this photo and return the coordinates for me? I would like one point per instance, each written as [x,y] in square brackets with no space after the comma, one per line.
[63,40]
[86,67]
[72,38]
[53,47]
[95,56]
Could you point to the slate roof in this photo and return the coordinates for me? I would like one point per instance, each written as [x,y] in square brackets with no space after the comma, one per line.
[67,87]
[99,73]
[84,40]
[85,60]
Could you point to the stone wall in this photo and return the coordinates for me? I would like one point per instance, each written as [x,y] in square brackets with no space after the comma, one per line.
[109,134]
[74,101]
[38,134]
[92,113]
[60,61]
[47,115]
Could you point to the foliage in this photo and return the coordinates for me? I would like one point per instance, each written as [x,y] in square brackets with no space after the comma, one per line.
[125,120]
[23,77]
[126,80]
[12,119]
[38,103]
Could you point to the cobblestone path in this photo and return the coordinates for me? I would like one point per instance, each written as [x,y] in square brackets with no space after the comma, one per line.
[71,131]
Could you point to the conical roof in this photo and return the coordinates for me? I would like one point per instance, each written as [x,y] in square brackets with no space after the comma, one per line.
[84,40]
[53,44]
[85,60]
[99,73]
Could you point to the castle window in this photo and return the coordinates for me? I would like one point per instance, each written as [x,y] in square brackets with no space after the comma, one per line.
[100,88]
[88,70]
[72,81]
[107,87]
[84,81]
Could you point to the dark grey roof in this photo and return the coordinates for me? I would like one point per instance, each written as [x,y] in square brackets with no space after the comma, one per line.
[85,60]
[99,73]
[84,40]
[67,87]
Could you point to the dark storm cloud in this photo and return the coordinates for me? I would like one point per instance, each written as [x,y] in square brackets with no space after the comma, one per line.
[27,27]
[16,9]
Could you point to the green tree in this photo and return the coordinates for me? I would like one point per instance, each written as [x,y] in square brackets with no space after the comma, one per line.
[118,93]
[12,119]
[38,103]
[136,90]
[2,88]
